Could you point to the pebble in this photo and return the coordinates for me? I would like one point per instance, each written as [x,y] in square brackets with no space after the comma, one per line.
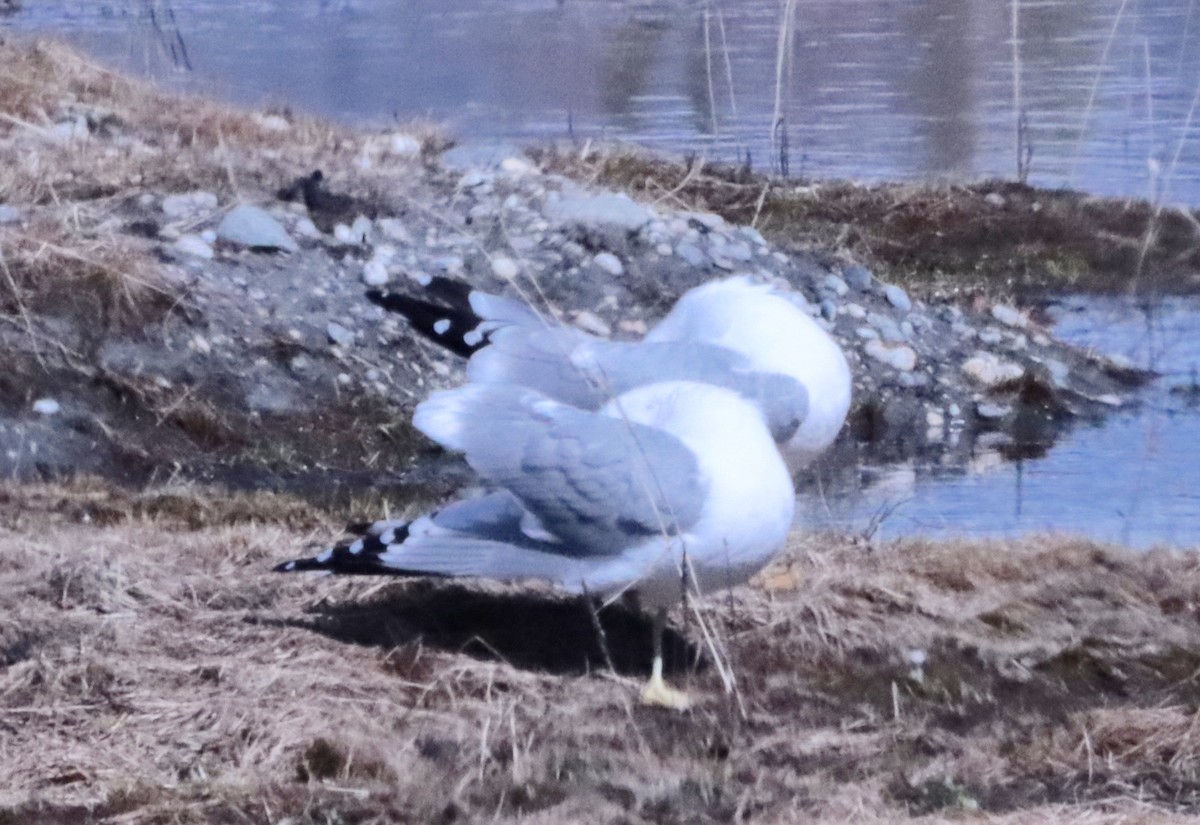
[991,336]
[1009,315]
[404,145]
[988,370]
[752,235]
[195,246]
[691,254]
[589,321]
[606,209]
[189,204]
[836,284]
[610,263]
[250,226]
[856,311]
[338,334]
[705,221]
[934,418]
[829,309]
[889,330]
[374,273]
[857,277]
[738,251]
[994,199]
[867,333]
[992,411]
[344,379]
[46,406]
[505,268]
[897,297]
[902,358]
[1059,372]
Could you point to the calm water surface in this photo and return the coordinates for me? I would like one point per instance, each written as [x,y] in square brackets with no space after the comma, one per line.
[874,89]
[1135,479]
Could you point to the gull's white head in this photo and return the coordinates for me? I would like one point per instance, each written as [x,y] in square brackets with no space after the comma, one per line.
[776,335]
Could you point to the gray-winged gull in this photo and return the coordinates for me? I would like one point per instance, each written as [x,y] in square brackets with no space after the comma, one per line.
[741,329]
[597,501]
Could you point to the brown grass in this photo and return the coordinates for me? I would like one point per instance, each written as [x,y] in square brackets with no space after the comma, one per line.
[152,670]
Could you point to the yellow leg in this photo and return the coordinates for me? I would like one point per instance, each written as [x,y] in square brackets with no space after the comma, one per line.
[657,692]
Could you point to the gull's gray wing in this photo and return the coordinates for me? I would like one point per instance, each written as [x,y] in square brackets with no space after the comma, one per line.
[587,372]
[594,483]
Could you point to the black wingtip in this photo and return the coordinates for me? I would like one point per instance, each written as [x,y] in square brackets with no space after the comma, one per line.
[446,326]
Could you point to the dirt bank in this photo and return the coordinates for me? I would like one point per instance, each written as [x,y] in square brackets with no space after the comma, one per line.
[152,671]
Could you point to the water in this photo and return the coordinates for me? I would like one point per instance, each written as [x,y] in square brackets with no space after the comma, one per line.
[878,89]
[1134,480]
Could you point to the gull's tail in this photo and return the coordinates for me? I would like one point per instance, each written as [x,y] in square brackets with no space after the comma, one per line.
[481,537]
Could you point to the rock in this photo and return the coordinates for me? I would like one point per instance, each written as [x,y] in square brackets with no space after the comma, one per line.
[738,251]
[610,263]
[933,418]
[867,334]
[986,369]
[474,179]
[991,336]
[1009,316]
[305,228]
[9,214]
[691,254]
[992,412]
[251,226]
[889,330]
[404,145]
[189,204]
[471,154]
[193,245]
[856,311]
[704,221]
[505,267]
[994,199]
[1059,372]
[901,357]
[752,235]
[338,334]
[395,230]
[897,297]
[46,406]
[375,273]
[857,277]
[836,284]
[604,210]
[589,321]
[829,309]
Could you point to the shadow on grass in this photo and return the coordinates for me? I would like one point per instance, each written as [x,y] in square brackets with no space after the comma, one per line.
[532,631]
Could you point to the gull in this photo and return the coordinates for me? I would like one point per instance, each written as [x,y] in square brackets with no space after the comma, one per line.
[731,333]
[669,485]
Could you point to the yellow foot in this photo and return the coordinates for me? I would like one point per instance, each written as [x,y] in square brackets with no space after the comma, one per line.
[658,693]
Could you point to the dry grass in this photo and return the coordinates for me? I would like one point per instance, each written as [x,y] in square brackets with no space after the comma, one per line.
[152,670]
[80,144]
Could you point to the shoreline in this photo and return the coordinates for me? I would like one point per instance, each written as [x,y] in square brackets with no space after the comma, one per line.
[167,343]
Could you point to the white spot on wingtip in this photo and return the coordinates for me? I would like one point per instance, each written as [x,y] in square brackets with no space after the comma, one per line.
[441,327]
[356,548]
[324,558]
[473,337]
